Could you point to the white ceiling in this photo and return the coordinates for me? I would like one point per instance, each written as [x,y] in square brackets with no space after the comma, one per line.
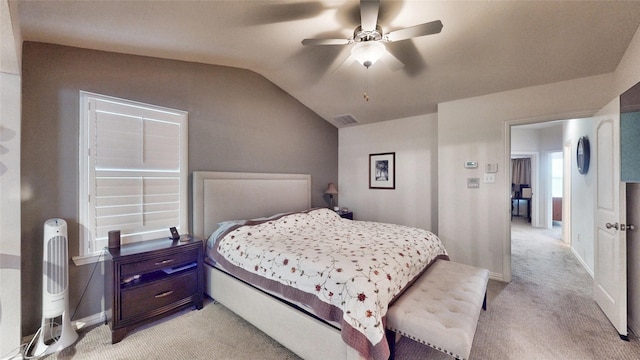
[484,47]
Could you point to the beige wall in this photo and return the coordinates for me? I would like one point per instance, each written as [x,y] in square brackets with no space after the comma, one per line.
[238,121]
[9,214]
[483,240]
[627,73]
[413,202]
[10,81]
[582,197]
[475,129]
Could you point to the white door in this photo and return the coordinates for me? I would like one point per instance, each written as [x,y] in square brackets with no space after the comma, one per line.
[610,273]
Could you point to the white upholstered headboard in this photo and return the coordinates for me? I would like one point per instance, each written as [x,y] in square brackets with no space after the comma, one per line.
[220,196]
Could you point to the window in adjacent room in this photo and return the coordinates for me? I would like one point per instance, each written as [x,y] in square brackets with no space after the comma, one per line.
[133,171]
[556,174]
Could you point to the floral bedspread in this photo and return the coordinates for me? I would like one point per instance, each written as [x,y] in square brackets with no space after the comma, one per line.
[357,267]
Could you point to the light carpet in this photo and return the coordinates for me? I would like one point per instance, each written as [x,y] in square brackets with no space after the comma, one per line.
[546,312]
[211,333]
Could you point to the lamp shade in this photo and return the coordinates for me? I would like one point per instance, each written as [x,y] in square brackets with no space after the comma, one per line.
[368,52]
[331,189]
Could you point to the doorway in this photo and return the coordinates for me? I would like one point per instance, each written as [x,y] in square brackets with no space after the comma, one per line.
[557,187]
[578,202]
[542,144]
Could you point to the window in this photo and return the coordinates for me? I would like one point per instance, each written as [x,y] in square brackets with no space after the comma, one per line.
[133,171]
[556,174]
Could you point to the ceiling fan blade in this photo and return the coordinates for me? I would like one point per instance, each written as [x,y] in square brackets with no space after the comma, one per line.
[429,28]
[326,42]
[369,14]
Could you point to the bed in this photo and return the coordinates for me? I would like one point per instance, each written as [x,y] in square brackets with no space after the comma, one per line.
[311,329]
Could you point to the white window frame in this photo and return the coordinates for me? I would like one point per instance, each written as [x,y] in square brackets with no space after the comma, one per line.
[90,247]
[557,173]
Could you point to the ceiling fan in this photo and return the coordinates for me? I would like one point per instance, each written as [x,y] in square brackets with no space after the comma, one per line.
[368,37]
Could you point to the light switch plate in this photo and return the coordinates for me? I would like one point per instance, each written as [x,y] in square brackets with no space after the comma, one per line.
[489,177]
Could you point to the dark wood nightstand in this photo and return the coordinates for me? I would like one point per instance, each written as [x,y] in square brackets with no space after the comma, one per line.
[346,214]
[150,279]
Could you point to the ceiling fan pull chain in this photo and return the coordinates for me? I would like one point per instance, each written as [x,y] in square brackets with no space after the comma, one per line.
[366,85]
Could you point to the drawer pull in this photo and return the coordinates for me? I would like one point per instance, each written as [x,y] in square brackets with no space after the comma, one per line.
[166,293]
[164,262]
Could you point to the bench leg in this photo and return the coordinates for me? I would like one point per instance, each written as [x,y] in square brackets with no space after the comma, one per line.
[391,340]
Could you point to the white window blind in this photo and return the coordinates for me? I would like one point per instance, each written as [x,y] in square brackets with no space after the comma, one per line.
[135,171]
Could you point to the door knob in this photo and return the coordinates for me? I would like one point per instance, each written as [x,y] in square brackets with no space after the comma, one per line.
[610,225]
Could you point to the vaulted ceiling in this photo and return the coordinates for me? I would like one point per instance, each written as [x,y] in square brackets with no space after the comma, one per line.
[484,46]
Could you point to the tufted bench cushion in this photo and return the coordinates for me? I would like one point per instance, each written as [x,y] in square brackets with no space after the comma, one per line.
[441,309]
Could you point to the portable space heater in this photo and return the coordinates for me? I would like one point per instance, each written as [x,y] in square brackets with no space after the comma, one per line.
[55,332]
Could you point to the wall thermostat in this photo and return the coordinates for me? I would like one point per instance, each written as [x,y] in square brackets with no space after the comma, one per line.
[471,164]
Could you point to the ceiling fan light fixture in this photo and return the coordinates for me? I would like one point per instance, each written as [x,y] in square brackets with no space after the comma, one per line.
[368,52]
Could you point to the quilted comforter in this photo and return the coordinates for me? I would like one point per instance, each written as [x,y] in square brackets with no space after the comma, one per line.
[347,271]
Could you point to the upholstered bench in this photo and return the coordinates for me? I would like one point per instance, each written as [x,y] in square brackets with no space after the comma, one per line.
[441,309]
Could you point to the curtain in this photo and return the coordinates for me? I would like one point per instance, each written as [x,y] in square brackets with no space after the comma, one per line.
[520,172]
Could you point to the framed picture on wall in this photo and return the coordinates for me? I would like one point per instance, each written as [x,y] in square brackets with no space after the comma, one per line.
[382,171]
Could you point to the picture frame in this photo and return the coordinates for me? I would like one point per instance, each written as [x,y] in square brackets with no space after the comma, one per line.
[382,171]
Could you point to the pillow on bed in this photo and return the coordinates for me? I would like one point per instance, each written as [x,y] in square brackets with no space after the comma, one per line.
[222,227]
[266,218]
[226,225]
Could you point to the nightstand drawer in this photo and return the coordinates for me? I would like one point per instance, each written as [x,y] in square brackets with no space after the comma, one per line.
[158,263]
[170,278]
[147,298]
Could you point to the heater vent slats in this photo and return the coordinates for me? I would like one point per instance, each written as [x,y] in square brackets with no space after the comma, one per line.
[55,265]
[346,119]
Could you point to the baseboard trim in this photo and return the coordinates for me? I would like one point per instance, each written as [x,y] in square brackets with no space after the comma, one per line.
[89,320]
[582,262]
[496,276]
[15,356]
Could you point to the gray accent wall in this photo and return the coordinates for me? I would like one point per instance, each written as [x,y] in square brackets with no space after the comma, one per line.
[238,121]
